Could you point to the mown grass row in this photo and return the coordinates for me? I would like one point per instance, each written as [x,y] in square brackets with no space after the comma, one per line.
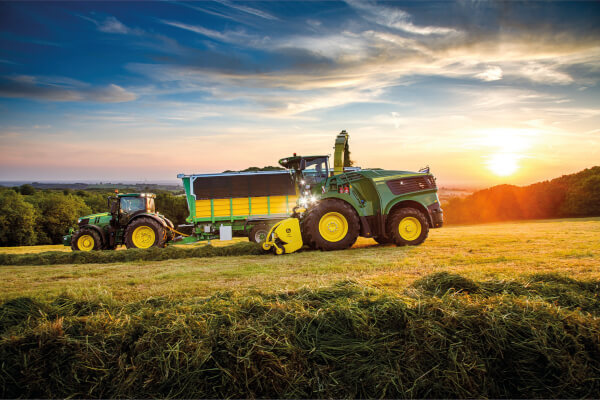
[446,336]
[111,256]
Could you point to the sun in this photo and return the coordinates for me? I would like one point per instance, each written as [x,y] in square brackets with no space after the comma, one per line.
[503,164]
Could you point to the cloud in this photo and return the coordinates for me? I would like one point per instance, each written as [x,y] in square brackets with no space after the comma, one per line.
[392,17]
[113,25]
[233,37]
[61,89]
[248,10]
[490,74]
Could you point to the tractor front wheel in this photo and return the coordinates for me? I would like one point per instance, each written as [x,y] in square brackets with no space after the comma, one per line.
[407,226]
[86,239]
[331,225]
[145,232]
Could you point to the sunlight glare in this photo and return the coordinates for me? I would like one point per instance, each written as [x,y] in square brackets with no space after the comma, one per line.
[503,164]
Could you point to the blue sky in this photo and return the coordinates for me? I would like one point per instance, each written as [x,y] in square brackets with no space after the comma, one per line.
[483,92]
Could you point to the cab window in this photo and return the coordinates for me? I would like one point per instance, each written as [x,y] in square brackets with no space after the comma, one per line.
[316,171]
[132,204]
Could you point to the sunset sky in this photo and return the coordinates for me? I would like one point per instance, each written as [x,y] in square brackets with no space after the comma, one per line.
[482,92]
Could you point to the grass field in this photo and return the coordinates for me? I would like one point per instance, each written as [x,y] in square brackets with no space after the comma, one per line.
[570,247]
[497,310]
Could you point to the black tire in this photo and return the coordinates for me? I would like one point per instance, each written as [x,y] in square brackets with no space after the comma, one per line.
[311,232]
[258,233]
[382,239]
[418,227]
[92,236]
[160,232]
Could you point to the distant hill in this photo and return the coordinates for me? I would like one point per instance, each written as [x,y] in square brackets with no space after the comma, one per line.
[256,169]
[133,187]
[575,195]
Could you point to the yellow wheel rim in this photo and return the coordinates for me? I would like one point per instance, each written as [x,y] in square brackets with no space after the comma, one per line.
[85,243]
[409,228]
[333,227]
[143,237]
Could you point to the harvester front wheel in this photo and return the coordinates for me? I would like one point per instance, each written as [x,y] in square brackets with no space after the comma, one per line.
[86,240]
[144,233]
[258,233]
[331,225]
[407,226]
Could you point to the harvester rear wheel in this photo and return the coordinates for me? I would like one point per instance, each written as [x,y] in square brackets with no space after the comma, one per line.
[258,233]
[144,233]
[407,226]
[86,239]
[331,225]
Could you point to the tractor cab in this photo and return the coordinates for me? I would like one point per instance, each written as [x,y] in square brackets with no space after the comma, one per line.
[124,206]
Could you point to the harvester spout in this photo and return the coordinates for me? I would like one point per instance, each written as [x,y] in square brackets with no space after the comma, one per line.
[341,157]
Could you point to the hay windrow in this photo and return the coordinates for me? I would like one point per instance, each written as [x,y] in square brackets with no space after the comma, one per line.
[339,341]
[111,256]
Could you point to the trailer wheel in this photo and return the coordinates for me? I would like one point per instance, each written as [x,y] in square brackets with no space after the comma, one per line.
[331,225]
[144,233]
[258,233]
[407,226]
[86,239]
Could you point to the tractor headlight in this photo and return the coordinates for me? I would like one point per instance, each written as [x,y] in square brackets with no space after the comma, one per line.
[303,201]
[313,199]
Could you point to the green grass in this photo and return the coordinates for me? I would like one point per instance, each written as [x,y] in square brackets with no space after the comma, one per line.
[499,310]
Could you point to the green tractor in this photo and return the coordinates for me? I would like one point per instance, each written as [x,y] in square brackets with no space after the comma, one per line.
[336,207]
[132,221]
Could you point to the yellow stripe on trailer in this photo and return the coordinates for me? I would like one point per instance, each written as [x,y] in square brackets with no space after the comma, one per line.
[244,206]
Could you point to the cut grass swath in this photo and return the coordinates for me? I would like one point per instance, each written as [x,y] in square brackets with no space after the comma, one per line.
[447,336]
[110,256]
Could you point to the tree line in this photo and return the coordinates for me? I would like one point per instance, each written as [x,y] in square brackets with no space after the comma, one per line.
[35,217]
[29,216]
[575,195]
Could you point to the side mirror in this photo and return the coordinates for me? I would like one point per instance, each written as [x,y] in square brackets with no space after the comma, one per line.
[114,205]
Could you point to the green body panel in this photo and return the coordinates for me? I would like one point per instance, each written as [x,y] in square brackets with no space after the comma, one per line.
[371,194]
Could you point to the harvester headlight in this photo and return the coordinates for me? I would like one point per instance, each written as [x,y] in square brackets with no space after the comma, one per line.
[303,201]
[313,199]
[302,182]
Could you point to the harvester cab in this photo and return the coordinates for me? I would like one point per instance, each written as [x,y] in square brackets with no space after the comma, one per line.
[335,207]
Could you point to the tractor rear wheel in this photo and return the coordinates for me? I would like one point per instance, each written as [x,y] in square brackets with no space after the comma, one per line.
[86,239]
[258,233]
[407,226]
[145,232]
[331,225]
